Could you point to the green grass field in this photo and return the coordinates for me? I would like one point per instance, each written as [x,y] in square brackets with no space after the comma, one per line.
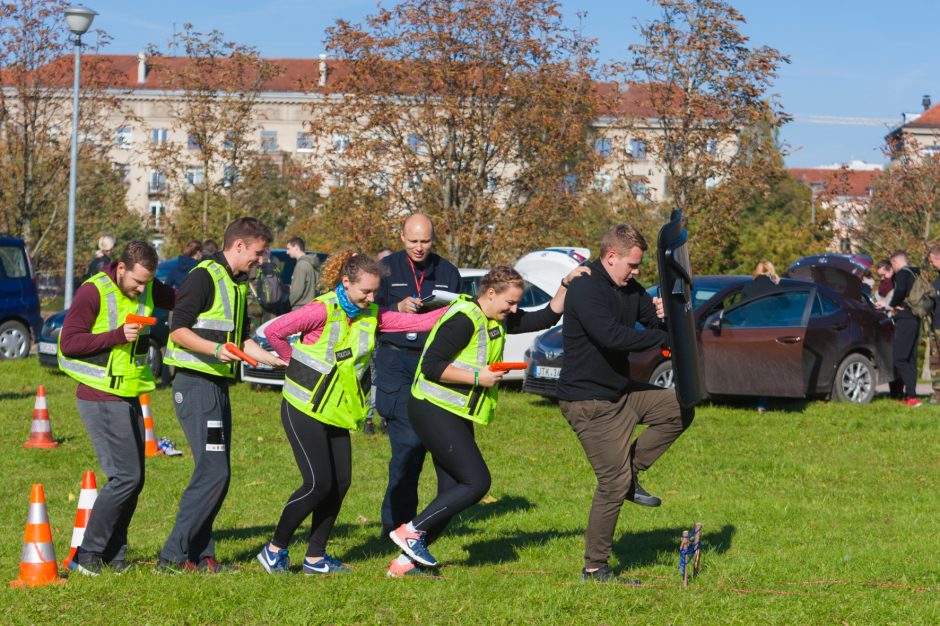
[816,513]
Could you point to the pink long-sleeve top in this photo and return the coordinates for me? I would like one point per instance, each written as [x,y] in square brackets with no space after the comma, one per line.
[311,318]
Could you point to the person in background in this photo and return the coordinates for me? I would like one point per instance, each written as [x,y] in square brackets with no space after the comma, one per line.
[765,279]
[303,283]
[906,328]
[885,286]
[209,247]
[414,273]
[102,258]
[192,253]
[933,257]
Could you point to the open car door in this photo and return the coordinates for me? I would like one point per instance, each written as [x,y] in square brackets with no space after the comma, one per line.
[755,348]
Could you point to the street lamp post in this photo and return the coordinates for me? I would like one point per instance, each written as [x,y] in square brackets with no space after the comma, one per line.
[79,19]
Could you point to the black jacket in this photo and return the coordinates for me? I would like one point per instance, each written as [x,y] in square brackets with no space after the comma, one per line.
[903,282]
[599,334]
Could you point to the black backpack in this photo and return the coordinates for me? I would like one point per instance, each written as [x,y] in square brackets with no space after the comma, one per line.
[268,288]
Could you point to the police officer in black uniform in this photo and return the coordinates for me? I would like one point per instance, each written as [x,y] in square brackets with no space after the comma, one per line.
[414,273]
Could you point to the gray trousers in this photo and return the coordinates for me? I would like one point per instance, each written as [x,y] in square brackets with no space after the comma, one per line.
[605,430]
[116,430]
[203,409]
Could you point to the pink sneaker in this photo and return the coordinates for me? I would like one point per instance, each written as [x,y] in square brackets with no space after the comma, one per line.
[912,402]
[412,543]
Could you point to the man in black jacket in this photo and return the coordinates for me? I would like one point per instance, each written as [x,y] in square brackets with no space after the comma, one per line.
[906,328]
[598,398]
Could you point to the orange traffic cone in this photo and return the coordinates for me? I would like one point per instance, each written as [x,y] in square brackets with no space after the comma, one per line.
[40,433]
[86,500]
[37,565]
[150,438]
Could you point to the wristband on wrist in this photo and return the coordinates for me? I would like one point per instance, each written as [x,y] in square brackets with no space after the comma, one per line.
[476,378]
[217,348]
[564,284]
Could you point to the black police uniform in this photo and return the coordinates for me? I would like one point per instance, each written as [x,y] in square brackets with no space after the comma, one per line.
[396,361]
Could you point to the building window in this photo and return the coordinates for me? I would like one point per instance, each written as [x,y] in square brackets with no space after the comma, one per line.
[930,151]
[156,211]
[711,147]
[158,135]
[194,176]
[338,177]
[123,170]
[603,182]
[231,137]
[602,147]
[269,141]
[192,143]
[639,189]
[417,145]
[340,143]
[638,149]
[122,138]
[157,182]
[304,142]
[229,176]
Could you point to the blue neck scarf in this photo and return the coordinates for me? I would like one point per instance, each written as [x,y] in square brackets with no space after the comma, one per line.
[351,309]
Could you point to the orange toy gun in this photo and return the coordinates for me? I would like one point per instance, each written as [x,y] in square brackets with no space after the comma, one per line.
[240,354]
[140,319]
[507,366]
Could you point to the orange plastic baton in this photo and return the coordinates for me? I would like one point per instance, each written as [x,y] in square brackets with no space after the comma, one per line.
[240,354]
[140,319]
[507,366]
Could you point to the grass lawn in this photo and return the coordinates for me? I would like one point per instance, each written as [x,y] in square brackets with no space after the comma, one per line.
[822,513]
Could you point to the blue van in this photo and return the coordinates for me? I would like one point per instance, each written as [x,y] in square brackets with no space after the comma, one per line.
[19,300]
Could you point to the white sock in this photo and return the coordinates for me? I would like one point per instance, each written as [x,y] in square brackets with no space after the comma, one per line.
[411,528]
[403,559]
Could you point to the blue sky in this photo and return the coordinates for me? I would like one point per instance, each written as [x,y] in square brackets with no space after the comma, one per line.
[861,59]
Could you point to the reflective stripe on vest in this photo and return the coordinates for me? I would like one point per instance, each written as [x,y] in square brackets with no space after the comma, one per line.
[323,379]
[123,372]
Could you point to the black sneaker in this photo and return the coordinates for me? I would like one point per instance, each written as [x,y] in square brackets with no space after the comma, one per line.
[638,495]
[174,567]
[601,575]
[210,565]
[87,564]
[119,566]
[369,428]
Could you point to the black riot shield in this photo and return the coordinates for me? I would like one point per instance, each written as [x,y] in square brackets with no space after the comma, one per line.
[675,288]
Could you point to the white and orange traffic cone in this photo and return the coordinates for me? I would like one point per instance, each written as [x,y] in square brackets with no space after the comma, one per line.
[37,564]
[86,500]
[40,433]
[150,438]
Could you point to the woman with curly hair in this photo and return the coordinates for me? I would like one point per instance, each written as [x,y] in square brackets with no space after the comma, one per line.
[325,395]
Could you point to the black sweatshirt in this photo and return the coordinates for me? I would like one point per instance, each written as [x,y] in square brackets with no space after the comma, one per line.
[903,282]
[457,332]
[599,335]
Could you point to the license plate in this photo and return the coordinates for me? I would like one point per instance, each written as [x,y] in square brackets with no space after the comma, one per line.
[547,372]
[47,348]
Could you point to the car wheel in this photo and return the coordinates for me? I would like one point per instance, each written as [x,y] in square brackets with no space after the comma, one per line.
[855,380]
[154,358]
[662,376]
[15,340]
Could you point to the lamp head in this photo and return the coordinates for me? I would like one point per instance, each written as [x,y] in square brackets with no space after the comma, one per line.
[79,19]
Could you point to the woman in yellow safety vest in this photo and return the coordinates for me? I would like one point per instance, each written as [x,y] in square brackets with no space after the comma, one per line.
[325,395]
[455,388]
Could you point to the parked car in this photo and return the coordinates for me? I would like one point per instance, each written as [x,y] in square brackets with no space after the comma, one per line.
[19,300]
[542,271]
[799,340]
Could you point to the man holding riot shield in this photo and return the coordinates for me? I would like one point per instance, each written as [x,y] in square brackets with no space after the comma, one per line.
[598,398]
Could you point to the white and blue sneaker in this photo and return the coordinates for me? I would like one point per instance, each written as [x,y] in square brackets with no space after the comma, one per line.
[326,565]
[412,543]
[274,561]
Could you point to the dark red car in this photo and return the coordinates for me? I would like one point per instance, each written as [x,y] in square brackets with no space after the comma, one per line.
[801,339]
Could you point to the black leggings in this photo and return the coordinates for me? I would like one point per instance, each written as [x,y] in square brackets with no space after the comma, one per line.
[462,476]
[324,457]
